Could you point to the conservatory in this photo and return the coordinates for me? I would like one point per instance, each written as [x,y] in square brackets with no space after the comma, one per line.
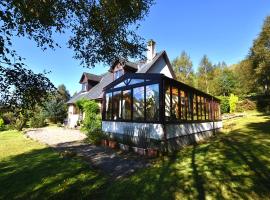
[155,109]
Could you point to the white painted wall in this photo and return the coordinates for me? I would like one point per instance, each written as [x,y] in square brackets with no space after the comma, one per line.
[175,130]
[161,67]
[156,130]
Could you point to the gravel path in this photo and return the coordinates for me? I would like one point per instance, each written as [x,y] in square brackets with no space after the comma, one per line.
[111,162]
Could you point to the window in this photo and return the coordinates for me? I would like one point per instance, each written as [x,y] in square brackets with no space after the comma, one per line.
[189,106]
[199,113]
[118,74]
[183,105]
[203,108]
[195,107]
[152,102]
[84,86]
[167,102]
[116,105]
[175,104]
[108,106]
[126,105]
[138,103]
[207,109]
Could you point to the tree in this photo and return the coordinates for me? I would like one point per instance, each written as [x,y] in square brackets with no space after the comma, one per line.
[205,74]
[55,109]
[245,78]
[182,66]
[224,82]
[22,90]
[260,56]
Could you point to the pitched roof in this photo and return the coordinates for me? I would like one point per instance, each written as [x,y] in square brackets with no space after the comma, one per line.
[95,92]
[91,77]
[147,66]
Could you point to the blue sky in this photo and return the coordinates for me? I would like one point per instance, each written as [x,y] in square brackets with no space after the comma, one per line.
[223,30]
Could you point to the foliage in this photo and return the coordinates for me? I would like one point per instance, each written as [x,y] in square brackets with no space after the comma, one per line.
[99,30]
[245,105]
[205,74]
[27,165]
[55,108]
[224,104]
[37,120]
[2,124]
[263,103]
[225,82]
[182,66]
[233,100]
[92,120]
[260,56]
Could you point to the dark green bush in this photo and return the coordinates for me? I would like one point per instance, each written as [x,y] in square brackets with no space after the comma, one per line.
[92,120]
[263,103]
[245,105]
[224,104]
[37,121]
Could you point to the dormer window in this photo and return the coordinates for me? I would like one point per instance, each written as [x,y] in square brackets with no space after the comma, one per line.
[84,87]
[118,74]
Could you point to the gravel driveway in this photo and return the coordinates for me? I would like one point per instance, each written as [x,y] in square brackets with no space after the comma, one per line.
[113,163]
[54,136]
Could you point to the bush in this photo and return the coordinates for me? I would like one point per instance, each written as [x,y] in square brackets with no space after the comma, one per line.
[224,104]
[2,125]
[245,105]
[37,121]
[92,120]
[233,100]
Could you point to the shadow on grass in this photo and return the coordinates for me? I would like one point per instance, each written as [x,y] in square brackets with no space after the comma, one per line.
[42,174]
[231,166]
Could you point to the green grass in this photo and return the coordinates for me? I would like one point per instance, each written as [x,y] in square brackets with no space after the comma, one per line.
[30,170]
[234,164]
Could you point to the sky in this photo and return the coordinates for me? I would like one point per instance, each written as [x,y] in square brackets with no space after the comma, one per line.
[222,29]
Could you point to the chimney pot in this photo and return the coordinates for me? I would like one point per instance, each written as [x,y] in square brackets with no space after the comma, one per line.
[151,50]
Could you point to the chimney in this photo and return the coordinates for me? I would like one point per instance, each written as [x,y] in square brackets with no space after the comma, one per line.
[151,50]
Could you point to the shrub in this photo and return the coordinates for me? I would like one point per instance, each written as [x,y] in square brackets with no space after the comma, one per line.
[2,125]
[37,121]
[224,104]
[233,101]
[245,105]
[92,120]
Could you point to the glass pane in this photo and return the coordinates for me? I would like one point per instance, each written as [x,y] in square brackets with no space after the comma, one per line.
[207,109]
[116,105]
[152,102]
[167,102]
[175,104]
[195,107]
[108,106]
[199,107]
[134,81]
[138,104]
[126,104]
[183,105]
[189,106]
[120,85]
[203,108]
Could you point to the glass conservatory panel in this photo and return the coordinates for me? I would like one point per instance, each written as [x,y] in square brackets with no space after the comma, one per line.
[194,107]
[108,106]
[207,109]
[203,108]
[138,103]
[175,105]
[189,106]
[167,103]
[116,105]
[183,105]
[199,114]
[126,105]
[152,102]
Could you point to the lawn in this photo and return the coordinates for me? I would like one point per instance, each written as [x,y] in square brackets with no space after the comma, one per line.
[234,164]
[30,170]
